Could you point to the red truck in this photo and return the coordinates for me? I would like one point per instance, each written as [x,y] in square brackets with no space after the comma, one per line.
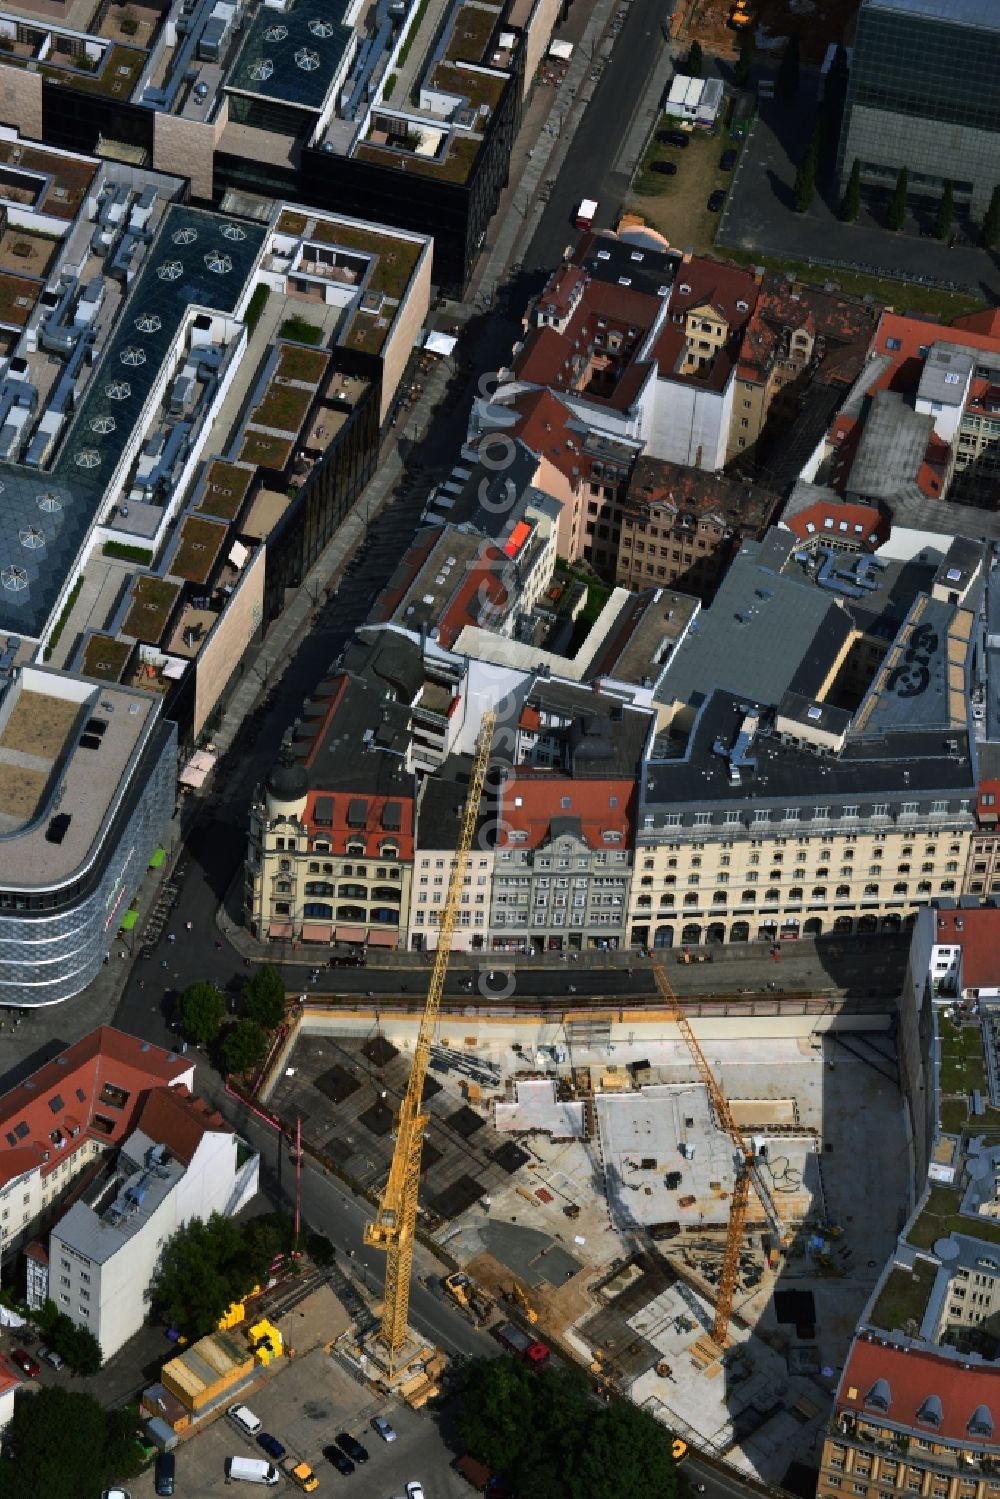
[530,1349]
[586,213]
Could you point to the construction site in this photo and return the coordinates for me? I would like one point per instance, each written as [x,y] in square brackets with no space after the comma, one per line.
[667,1196]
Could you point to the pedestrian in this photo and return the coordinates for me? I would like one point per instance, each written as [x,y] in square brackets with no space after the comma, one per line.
[189,925]
[163,962]
[171,936]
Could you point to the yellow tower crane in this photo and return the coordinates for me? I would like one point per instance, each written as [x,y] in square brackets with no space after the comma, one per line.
[395,1223]
[748,1170]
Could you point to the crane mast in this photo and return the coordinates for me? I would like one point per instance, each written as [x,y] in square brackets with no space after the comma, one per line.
[394,1226]
[748,1170]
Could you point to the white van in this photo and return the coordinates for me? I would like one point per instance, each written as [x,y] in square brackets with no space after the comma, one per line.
[243,1417]
[251,1470]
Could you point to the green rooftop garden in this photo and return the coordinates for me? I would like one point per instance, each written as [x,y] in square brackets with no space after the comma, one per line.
[904,1297]
[473,29]
[940,1217]
[292,223]
[264,451]
[200,544]
[153,600]
[478,88]
[302,364]
[397,258]
[455,167]
[962,1065]
[105,657]
[225,490]
[117,78]
[17,298]
[366,334]
[284,408]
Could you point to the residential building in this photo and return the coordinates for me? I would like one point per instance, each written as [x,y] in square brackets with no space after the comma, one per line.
[330,852]
[811,771]
[923,95]
[86,796]
[565,823]
[182,1162]
[680,527]
[67,1118]
[801,352]
[440,810]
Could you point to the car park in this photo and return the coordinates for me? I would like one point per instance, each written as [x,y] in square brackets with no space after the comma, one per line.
[355,1451]
[26,1363]
[339,1459]
[716,200]
[382,1426]
[728,160]
[673,138]
[668,168]
[270,1444]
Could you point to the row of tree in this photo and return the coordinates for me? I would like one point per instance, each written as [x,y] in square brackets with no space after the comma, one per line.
[944,219]
[545,1433]
[242,1045]
[64,1443]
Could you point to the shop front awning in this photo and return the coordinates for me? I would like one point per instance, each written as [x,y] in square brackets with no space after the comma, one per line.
[316,931]
[379,937]
[280,929]
[350,934]
[129,920]
[159,857]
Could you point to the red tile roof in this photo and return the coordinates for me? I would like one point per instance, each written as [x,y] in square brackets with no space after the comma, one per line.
[560,289]
[700,282]
[912,335]
[565,360]
[66,1095]
[913,1376]
[977,932]
[174,1117]
[865,524]
[338,831]
[529,804]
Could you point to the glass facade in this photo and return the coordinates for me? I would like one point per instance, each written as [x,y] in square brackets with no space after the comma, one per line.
[924,93]
[53,942]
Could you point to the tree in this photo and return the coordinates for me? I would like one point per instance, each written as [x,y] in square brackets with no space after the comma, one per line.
[744,64]
[264,997]
[945,221]
[547,1434]
[320,1250]
[203,1269]
[202,1009]
[695,65]
[67,1443]
[244,1046]
[787,85]
[77,1345]
[850,203]
[896,216]
[991,223]
[805,177]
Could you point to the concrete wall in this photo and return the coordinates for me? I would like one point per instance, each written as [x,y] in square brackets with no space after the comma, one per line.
[187,148]
[409,319]
[537,32]
[691,424]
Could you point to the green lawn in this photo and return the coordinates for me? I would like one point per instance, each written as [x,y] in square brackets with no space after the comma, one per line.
[904,1297]
[962,1065]
[941,1217]
[677,206]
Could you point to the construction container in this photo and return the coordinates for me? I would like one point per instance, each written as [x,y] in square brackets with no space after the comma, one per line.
[204,1372]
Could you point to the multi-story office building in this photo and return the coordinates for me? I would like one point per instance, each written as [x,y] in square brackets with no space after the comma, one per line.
[87,789]
[812,770]
[924,93]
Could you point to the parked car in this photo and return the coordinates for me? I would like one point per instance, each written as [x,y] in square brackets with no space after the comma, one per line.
[385,1431]
[340,1460]
[716,200]
[414,1490]
[166,1464]
[673,138]
[355,1451]
[727,160]
[270,1444]
[668,168]
[26,1363]
[51,1357]
[244,1418]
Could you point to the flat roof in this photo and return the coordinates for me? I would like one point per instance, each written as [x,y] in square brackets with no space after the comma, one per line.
[76,739]
[200,259]
[979,13]
[291,55]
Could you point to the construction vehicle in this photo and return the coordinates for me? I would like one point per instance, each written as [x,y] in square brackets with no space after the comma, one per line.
[470,1297]
[300,1473]
[394,1227]
[748,1169]
[519,1296]
[742,16]
[517,1341]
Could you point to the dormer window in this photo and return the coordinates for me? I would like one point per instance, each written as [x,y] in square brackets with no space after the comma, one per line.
[684,289]
[930,1413]
[879,1397]
[742,306]
[981,1422]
